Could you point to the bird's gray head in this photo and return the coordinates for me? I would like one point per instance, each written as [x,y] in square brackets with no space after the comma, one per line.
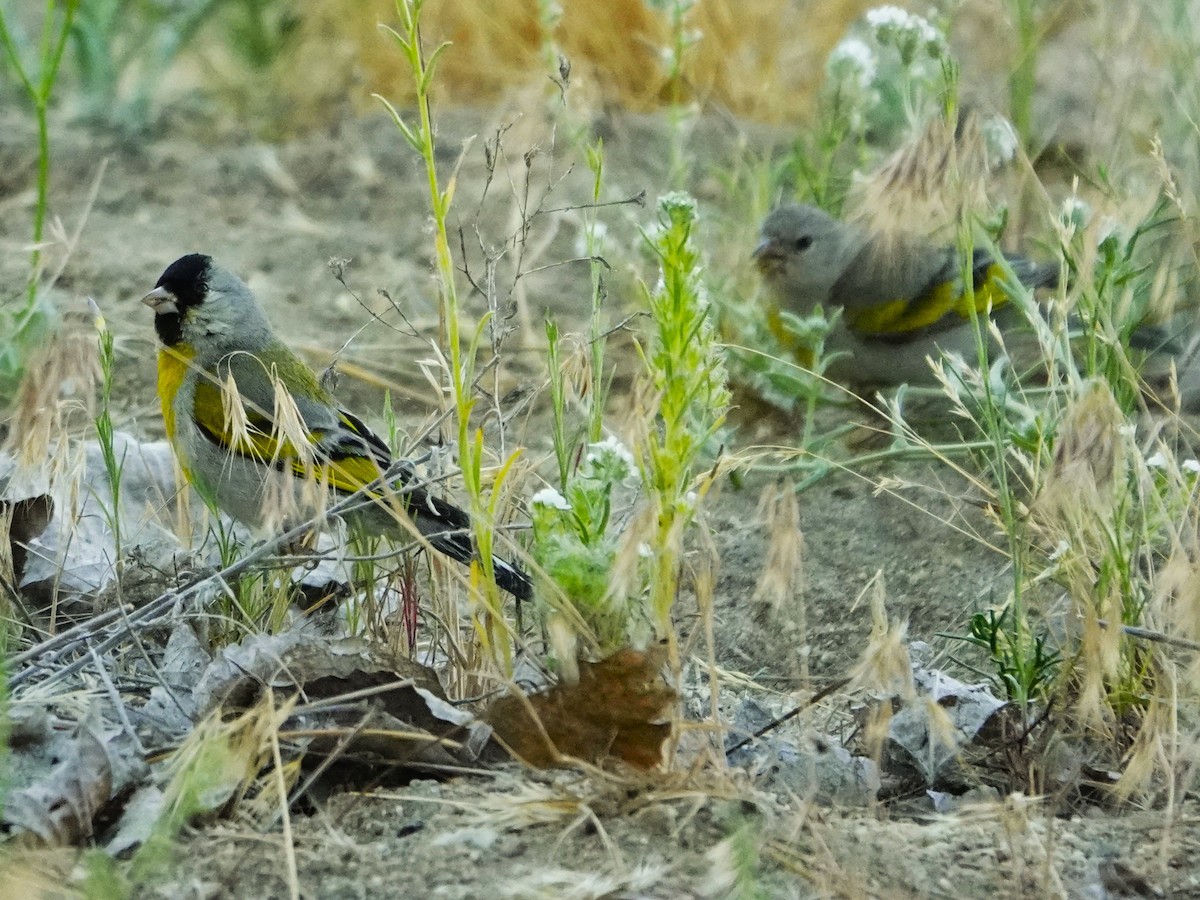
[195,298]
[803,252]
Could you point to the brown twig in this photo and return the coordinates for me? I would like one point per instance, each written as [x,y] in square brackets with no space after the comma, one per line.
[1157,636]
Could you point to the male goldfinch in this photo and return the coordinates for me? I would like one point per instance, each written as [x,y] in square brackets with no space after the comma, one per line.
[254,429]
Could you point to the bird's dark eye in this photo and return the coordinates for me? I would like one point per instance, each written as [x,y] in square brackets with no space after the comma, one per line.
[803,242]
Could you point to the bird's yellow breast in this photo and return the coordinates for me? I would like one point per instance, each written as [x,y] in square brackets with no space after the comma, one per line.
[173,367]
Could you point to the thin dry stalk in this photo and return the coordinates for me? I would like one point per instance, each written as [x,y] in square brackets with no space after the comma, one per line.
[781,585]
[56,397]
[289,844]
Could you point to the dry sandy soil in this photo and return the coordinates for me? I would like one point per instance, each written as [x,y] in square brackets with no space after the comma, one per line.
[276,214]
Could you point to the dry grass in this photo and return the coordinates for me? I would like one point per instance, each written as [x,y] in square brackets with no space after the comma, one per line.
[763,60]
[760,59]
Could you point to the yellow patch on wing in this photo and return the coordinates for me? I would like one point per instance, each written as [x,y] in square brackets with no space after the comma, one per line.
[254,434]
[351,473]
[989,295]
[903,316]
[786,338]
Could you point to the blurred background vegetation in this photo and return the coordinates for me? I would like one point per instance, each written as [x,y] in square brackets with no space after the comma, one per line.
[294,66]
[1071,76]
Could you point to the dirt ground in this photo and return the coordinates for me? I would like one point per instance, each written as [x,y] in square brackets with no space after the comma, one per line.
[276,215]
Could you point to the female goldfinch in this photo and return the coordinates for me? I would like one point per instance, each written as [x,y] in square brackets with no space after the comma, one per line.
[901,297]
[254,430]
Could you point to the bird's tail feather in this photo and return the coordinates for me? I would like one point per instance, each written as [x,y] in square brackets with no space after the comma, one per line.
[448,530]
[1032,274]
[446,527]
[457,545]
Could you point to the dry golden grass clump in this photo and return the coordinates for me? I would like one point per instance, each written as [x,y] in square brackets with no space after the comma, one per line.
[933,182]
[759,59]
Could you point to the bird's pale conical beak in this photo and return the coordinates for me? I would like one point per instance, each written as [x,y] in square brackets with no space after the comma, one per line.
[161,301]
[768,256]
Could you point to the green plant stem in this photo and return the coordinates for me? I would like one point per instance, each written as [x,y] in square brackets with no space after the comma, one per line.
[50,53]
[1024,76]
[688,374]
[676,113]
[558,404]
[105,433]
[995,433]
[462,365]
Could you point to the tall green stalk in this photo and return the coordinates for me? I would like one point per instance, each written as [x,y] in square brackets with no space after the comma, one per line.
[105,433]
[688,375]
[40,89]
[461,365]
[1023,80]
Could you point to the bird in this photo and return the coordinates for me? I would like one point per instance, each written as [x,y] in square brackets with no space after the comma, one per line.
[901,297]
[254,429]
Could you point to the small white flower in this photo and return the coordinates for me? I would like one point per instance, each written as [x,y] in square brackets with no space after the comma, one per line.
[1001,139]
[1060,550]
[1129,430]
[644,550]
[1075,213]
[681,200]
[905,30]
[887,17]
[1191,466]
[854,50]
[853,60]
[548,496]
[1157,461]
[927,32]
[611,446]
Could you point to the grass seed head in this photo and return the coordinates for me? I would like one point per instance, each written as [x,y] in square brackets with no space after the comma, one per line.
[930,184]
[1087,470]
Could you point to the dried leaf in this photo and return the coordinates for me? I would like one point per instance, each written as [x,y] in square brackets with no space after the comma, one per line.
[76,550]
[142,814]
[59,808]
[615,711]
[26,519]
[392,711]
[38,873]
[300,657]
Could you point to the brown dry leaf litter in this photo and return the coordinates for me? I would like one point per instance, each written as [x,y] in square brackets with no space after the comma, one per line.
[615,711]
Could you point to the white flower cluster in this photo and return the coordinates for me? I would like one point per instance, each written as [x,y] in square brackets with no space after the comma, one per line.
[550,498]
[893,25]
[853,60]
[891,53]
[1073,217]
[1001,140]
[613,457]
